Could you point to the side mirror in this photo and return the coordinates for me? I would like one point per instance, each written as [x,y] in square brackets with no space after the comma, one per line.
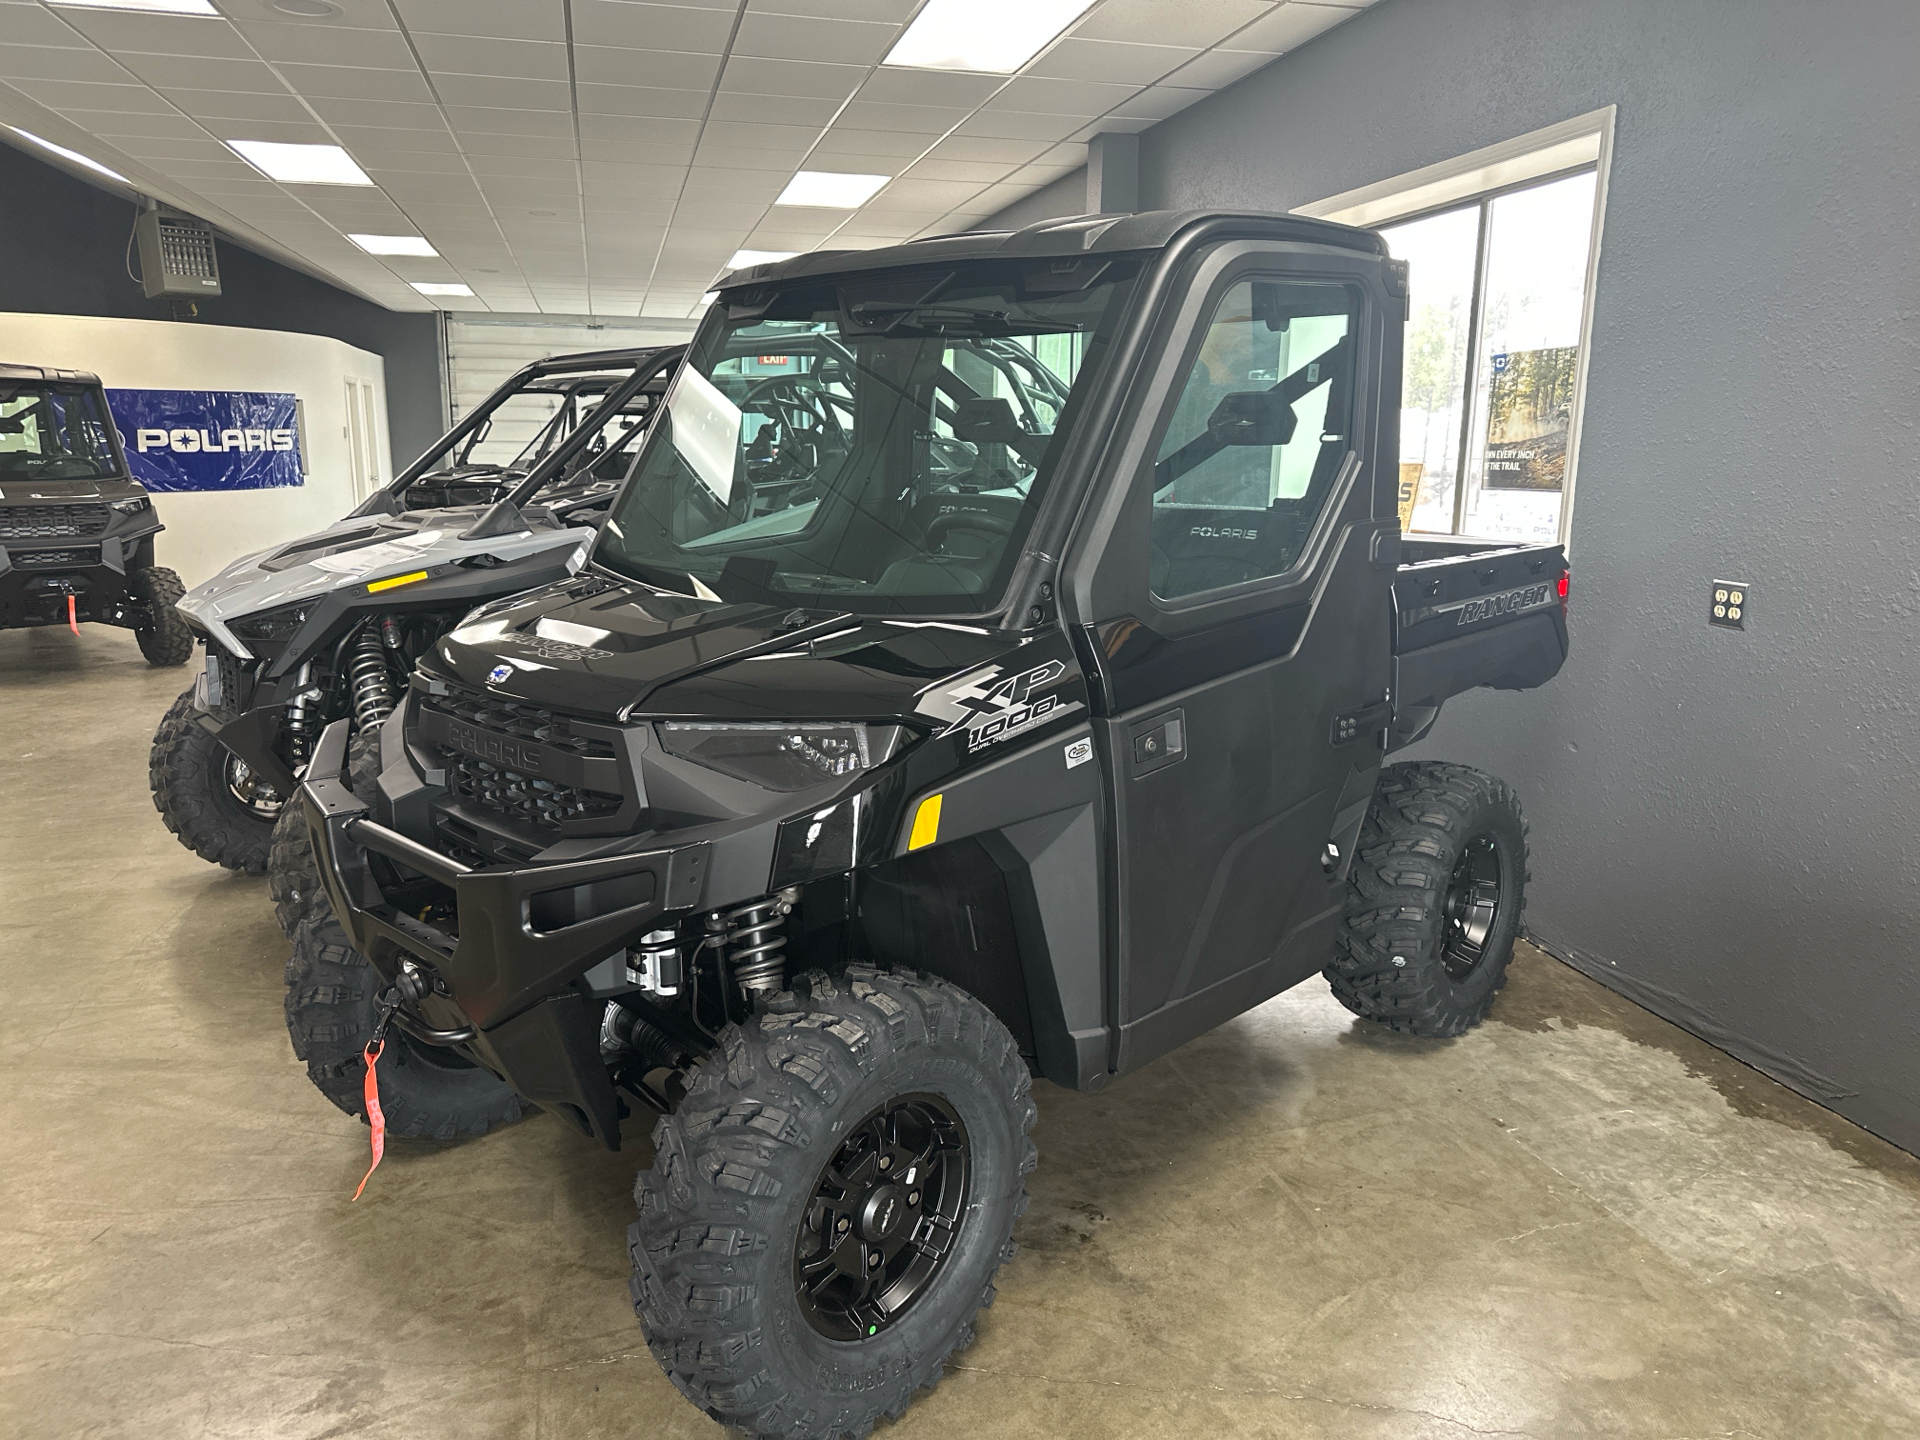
[1252,417]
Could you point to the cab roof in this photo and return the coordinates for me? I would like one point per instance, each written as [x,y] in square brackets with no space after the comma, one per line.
[1078,236]
[46,375]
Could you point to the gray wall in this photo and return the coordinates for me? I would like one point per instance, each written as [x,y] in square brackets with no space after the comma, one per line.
[1724,824]
[63,252]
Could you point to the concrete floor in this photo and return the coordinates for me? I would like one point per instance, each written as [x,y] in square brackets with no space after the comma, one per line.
[1576,1221]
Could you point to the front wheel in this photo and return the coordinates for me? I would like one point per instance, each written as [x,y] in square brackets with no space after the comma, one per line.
[209,797]
[166,638]
[830,1203]
[1434,900]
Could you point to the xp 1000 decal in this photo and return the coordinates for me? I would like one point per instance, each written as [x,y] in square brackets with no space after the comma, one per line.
[989,705]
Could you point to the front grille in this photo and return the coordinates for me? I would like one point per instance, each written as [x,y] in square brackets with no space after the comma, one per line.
[50,522]
[525,799]
[79,556]
[540,801]
[523,722]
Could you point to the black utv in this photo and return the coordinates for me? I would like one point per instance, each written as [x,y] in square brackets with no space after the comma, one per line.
[328,625]
[1008,696]
[76,529]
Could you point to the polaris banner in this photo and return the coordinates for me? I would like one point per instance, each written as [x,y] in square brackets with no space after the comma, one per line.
[208,439]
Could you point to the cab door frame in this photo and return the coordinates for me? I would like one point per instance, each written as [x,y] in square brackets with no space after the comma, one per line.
[1108,606]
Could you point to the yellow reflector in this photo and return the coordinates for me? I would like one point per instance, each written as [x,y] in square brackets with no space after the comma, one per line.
[926,824]
[376,586]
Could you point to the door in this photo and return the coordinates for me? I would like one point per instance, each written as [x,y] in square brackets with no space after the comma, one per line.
[1246,649]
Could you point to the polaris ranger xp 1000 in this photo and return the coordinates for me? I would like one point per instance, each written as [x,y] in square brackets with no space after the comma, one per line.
[987,671]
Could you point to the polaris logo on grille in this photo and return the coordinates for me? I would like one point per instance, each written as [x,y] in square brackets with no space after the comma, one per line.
[1505,603]
[498,675]
[496,748]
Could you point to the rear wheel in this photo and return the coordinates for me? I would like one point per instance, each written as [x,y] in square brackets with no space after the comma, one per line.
[166,638]
[1434,900]
[426,1091]
[208,796]
[293,873]
[829,1205]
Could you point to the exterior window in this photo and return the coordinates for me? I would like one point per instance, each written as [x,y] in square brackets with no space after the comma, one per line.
[1493,359]
[1257,438]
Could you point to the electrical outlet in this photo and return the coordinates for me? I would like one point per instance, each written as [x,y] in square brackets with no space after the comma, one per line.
[1729,604]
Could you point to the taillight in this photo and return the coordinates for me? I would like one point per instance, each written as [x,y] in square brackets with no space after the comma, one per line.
[1563,592]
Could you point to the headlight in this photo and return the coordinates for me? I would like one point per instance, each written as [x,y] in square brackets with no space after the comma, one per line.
[790,756]
[272,624]
[133,506]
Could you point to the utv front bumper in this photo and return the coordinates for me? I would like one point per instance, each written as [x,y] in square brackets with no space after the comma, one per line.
[502,945]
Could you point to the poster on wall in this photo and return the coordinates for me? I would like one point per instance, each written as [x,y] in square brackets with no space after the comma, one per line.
[209,439]
[1529,404]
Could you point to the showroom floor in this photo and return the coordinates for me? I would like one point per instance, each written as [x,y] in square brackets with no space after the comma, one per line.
[1575,1221]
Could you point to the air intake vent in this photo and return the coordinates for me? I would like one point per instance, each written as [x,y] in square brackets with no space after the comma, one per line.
[176,254]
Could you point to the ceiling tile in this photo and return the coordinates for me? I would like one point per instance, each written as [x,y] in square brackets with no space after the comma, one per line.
[498,92]
[863,144]
[535,167]
[286,132]
[33,25]
[911,119]
[1291,24]
[479,55]
[1190,22]
[39,62]
[938,195]
[160,147]
[344,82]
[330,45]
[929,87]
[983,147]
[792,37]
[651,27]
[1117,125]
[746,75]
[489,120]
[511,19]
[538,192]
[80,95]
[738,157]
[111,123]
[1110,60]
[415,162]
[371,141]
[1159,102]
[981,172]
[228,105]
[129,32]
[432,189]
[897,12]
[783,139]
[639,129]
[1060,97]
[673,69]
[1019,125]
[554,147]
[642,100]
[1217,69]
[379,114]
[776,109]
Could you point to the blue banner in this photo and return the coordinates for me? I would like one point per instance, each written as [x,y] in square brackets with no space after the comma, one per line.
[208,439]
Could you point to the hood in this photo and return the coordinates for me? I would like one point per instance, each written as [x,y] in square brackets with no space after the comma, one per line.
[21,491]
[609,650]
[355,552]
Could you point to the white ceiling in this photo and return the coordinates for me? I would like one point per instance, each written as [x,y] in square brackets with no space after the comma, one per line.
[606,157]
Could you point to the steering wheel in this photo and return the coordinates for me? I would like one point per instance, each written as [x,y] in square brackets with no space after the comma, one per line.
[984,521]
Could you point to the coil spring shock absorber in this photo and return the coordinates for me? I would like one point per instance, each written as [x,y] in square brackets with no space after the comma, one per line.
[368,679]
[754,941]
[299,721]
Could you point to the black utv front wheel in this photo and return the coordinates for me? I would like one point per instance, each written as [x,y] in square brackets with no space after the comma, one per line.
[208,796]
[426,1091]
[1434,900]
[293,873]
[829,1205]
[165,639]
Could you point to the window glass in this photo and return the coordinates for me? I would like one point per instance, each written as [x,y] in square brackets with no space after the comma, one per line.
[879,445]
[1492,352]
[54,432]
[1257,437]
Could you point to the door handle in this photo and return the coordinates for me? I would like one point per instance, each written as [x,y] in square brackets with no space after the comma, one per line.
[1367,720]
[1158,741]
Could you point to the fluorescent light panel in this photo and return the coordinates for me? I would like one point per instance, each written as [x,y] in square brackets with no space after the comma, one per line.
[831,190]
[164,7]
[394,244]
[74,155]
[427,287]
[300,164]
[991,37]
[743,258]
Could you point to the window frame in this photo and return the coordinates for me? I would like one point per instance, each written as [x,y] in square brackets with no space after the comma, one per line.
[1578,145]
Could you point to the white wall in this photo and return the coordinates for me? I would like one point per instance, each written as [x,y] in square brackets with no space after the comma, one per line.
[206,529]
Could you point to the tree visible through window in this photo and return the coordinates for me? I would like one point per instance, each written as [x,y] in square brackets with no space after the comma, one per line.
[1492,359]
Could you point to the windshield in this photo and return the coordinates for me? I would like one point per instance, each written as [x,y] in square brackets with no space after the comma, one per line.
[877,445]
[55,432]
[528,426]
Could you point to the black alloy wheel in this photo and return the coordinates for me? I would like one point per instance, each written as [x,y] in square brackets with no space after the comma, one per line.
[1471,906]
[886,1213]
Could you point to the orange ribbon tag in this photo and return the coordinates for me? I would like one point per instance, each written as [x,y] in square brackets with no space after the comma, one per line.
[376,1121]
[73,624]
